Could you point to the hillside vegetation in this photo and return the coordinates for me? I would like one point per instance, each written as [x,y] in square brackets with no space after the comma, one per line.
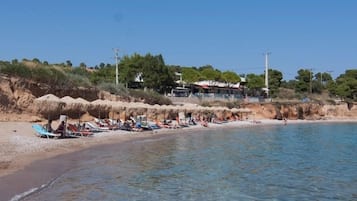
[158,78]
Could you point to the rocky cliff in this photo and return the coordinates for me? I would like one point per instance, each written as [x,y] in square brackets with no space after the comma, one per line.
[309,111]
[17,97]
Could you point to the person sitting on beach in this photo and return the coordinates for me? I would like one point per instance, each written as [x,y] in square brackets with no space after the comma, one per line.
[61,129]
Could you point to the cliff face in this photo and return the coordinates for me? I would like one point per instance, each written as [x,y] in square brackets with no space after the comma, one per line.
[309,111]
[17,97]
[14,96]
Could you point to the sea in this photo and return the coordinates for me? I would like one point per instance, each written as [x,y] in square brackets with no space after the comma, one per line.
[313,161]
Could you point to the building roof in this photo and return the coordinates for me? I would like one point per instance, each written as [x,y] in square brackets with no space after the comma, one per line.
[211,83]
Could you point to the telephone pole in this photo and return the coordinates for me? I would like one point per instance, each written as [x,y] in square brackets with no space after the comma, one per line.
[116,50]
[266,72]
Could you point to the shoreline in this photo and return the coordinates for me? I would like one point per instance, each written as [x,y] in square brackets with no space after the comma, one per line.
[24,154]
[20,146]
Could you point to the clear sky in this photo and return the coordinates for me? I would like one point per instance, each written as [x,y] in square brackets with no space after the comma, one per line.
[228,34]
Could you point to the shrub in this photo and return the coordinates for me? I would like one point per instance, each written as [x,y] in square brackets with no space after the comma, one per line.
[112,88]
[19,70]
[79,80]
[42,75]
[150,97]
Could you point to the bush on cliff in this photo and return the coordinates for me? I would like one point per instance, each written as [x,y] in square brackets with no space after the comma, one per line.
[150,97]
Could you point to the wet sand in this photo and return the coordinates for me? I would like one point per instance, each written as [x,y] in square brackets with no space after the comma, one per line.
[27,161]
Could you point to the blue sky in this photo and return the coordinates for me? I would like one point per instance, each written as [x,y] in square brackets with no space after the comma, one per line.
[230,35]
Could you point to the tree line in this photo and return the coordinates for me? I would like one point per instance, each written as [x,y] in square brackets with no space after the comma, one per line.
[160,77]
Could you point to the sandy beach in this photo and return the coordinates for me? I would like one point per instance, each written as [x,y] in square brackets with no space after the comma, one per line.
[20,146]
[21,151]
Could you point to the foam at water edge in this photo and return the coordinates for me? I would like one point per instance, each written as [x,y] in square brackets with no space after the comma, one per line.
[33,190]
[29,192]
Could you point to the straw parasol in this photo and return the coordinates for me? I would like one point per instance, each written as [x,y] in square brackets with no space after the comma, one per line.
[117,107]
[49,106]
[100,108]
[136,108]
[75,108]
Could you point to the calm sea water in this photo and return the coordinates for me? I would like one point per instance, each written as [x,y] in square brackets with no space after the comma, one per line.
[293,162]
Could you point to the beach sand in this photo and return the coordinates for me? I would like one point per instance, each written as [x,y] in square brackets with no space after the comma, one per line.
[27,161]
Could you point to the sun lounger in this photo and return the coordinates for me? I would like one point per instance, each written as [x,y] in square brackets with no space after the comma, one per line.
[75,131]
[106,124]
[43,133]
[94,128]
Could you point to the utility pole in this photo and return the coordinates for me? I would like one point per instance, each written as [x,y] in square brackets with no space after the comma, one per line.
[116,50]
[266,72]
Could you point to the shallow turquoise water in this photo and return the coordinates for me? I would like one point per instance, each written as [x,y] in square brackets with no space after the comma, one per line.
[293,162]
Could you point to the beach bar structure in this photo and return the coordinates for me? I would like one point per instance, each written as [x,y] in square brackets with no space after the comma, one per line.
[209,89]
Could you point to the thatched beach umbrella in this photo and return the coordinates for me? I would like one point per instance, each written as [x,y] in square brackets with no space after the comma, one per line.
[49,106]
[74,108]
[100,108]
[136,108]
[154,112]
[220,112]
[118,108]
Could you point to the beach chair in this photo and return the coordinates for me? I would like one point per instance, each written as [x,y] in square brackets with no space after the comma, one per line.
[75,131]
[94,128]
[41,132]
[105,124]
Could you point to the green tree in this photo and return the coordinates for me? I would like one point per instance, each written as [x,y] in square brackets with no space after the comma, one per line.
[211,74]
[231,77]
[304,80]
[101,65]
[129,68]
[69,63]
[36,60]
[155,74]
[346,85]
[103,75]
[288,84]
[82,65]
[255,83]
[14,61]
[205,67]
[275,78]
[191,75]
[323,78]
